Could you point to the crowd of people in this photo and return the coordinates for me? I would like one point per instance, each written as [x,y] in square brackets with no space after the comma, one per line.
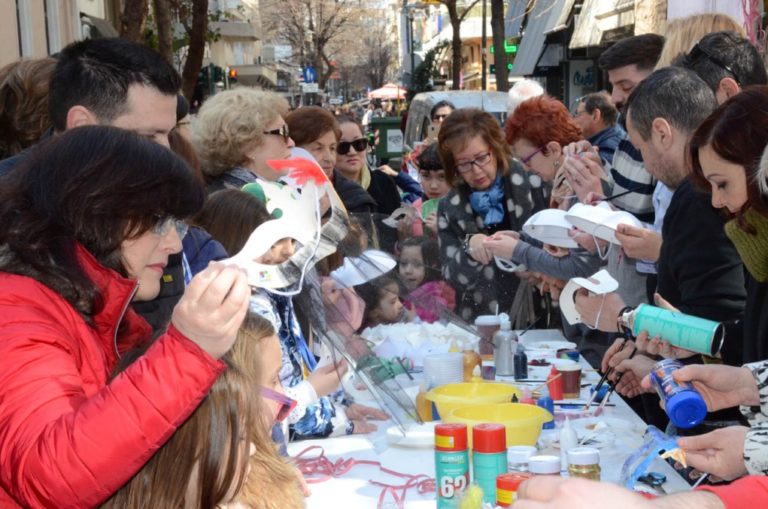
[140,365]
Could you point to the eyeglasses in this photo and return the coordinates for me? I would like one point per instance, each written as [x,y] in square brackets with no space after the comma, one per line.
[698,53]
[439,118]
[479,161]
[286,404]
[359,145]
[163,227]
[283,131]
[527,159]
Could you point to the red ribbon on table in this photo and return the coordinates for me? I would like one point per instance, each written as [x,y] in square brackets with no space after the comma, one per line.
[319,468]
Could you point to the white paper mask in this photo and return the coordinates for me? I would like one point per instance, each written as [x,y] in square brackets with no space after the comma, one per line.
[600,220]
[599,283]
[300,220]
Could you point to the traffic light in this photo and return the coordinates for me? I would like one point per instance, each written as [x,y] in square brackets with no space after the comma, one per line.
[233,75]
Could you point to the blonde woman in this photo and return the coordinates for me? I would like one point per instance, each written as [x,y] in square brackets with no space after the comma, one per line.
[236,132]
[683,33]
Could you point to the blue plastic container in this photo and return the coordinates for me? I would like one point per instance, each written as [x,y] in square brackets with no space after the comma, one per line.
[683,403]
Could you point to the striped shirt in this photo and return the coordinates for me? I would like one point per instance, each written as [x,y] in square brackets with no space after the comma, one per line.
[629,174]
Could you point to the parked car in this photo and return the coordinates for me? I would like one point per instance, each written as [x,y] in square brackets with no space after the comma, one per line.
[418,114]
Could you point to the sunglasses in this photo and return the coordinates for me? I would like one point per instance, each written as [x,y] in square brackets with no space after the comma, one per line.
[163,226]
[286,404]
[283,131]
[698,53]
[359,145]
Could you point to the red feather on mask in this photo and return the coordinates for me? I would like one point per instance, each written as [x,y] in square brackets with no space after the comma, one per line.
[300,170]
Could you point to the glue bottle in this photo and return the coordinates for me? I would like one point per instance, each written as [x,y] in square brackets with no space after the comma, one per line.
[451,464]
[489,457]
[547,404]
[568,440]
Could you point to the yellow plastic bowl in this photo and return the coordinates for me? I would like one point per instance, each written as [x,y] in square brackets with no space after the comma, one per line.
[449,397]
[523,422]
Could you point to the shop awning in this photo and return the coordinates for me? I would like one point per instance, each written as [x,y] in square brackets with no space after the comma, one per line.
[598,17]
[547,16]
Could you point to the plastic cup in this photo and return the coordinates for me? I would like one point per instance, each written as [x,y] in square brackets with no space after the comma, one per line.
[571,380]
[487,325]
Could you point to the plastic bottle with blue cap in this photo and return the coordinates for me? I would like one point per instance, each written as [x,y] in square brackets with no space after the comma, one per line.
[682,402]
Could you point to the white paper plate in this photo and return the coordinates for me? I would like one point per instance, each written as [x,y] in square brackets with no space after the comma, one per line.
[417,435]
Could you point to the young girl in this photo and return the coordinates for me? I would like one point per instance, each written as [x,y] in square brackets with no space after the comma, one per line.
[223,455]
[433,182]
[419,269]
[382,302]
[230,216]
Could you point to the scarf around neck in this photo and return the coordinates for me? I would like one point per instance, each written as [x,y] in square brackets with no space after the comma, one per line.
[752,247]
[489,203]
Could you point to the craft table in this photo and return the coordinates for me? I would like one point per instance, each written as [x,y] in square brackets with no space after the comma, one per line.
[354,490]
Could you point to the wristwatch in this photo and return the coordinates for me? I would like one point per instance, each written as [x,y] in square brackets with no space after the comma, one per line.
[465,243]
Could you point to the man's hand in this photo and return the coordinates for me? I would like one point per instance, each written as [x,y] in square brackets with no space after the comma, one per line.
[604,308]
[639,243]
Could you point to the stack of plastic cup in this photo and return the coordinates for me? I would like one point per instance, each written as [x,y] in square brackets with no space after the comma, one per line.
[444,368]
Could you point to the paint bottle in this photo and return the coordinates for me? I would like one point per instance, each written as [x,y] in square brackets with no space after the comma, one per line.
[520,363]
[489,457]
[555,385]
[451,464]
[683,403]
[517,458]
[506,488]
[504,346]
[584,462]
[544,465]
[547,404]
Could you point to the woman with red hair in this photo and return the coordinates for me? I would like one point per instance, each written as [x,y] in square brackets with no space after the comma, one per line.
[537,131]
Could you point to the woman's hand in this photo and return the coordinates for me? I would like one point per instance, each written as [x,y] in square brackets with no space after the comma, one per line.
[583,171]
[720,452]
[213,307]
[326,379]
[501,245]
[357,411]
[477,249]
[431,222]
[632,372]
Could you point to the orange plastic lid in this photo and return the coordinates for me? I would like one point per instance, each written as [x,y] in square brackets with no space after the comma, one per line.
[511,481]
[489,438]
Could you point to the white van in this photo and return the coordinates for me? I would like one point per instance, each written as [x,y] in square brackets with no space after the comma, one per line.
[418,114]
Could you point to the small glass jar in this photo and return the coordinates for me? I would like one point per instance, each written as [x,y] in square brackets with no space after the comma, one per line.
[517,457]
[584,462]
[544,465]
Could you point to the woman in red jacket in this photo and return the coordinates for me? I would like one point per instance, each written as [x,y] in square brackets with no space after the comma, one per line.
[86,228]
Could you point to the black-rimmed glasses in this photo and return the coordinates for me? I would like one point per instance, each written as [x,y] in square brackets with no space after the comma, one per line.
[479,161]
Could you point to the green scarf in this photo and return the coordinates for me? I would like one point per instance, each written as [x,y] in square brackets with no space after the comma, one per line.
[752,248]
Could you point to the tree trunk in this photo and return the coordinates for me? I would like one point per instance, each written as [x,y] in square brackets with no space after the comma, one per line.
[132,20]
[196,48]
[455,46]
[164,31]
[499,55]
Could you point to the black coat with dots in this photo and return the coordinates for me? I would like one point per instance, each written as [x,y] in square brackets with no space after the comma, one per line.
[480,288]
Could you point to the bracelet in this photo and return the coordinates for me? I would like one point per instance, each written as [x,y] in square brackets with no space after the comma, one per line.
[465,243]
[623,329]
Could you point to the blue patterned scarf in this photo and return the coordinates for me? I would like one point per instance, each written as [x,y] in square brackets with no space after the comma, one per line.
[489,203]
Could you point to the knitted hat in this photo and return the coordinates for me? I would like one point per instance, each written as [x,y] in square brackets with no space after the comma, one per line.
[752,247]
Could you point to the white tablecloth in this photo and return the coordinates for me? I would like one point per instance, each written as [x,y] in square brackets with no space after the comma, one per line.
[354,490]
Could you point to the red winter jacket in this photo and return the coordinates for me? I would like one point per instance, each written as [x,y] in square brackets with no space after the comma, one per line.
[68,438]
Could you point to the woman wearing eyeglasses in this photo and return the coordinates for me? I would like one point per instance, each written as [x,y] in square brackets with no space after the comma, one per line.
[491,193]
[236,132]
[86,228]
